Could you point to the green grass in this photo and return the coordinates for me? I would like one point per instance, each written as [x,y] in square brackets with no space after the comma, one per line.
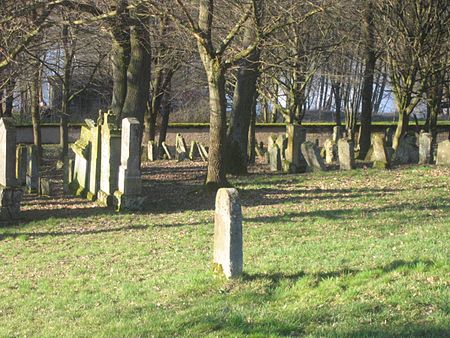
[349,254]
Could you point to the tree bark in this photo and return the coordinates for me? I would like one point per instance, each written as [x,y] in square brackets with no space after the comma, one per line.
[35,117]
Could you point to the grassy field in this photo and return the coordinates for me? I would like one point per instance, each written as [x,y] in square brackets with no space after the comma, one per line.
[351,254]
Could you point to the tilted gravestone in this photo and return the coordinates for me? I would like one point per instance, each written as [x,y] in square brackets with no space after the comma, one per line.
[32,180]
[443,153]
[346,154]
[311,154]
[296,135]
[203,151]
[379,155]
[407,151]
[228,252]
[193,151]
[95,158]
[110,160]
[180,148]
[82,150]
[166,150]
[425,148]
[128,196]
[21,164]
[10,193]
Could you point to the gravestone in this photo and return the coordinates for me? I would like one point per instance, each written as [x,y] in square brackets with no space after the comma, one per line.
[407,151]
[346,154]
[271,141]
[110,160]
[32,180]
[21,164]
[311,154]
[379,155]
[180,148]
[275,158]
[193,152]
[46,187]
[228,252]
[338,131]
[166,150]
[203,151]
[152,149]
[95,158]
[10,193]
[443,153]
[282,143]
[7,153]
[330,151]
[128,195]
[425,148]
[82,149]
[389,135]
[296,135]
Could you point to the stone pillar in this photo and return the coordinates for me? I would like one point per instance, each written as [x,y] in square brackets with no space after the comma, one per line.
[296,135]
[110,160]
[7,153]
[425,151]
[346,154]
[21,164]
[10,194]
[94,160]
[228,253]
[32,179]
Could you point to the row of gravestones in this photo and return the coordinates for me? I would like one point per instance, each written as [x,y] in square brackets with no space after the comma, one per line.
[196,151]
[106,167]
[292,153]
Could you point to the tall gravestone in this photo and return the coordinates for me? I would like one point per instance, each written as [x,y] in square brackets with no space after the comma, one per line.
[330,151]
[379,156]
[82,149]
[21,164]
[10,193]
[128,195]
[311,154]
[95,158]
[275,158]
[346,154]
[180,148]
[228,252]
[32,179]
[296,135]
[110,160]
[425,148]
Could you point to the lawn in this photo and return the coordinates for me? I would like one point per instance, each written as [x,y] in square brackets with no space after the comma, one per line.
[350,254]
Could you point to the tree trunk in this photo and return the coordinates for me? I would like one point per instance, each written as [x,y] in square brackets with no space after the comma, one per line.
[367,89]
[35,83]
[64,130]
[166,108]
[336,89]
[252,133]
[402,128]
[9,98]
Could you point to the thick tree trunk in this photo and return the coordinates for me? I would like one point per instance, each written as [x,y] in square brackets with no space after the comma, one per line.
[138,84]
[243,98]
[252,133]
[367,89]
[165,108]
[402,128]
[336,89]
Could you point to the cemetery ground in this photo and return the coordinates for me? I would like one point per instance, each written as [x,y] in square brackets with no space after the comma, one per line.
[352,253]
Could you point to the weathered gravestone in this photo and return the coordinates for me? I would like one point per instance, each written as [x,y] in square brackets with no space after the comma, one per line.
[193,151]
[167,153]
[389,136]
[346,154]
[21,164]
[282,143]
[110,160]
[330,151]
[338,131]
[180,148]
[46,187]
[379,155]
[128,195]
[296,135]
[32,180]
[275,158]
[82,150]
[311,154]
[10,193]
[407,151]
[152,150]
[203,151]
[425,148]
[228,253]
[95,158]
[443,153]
